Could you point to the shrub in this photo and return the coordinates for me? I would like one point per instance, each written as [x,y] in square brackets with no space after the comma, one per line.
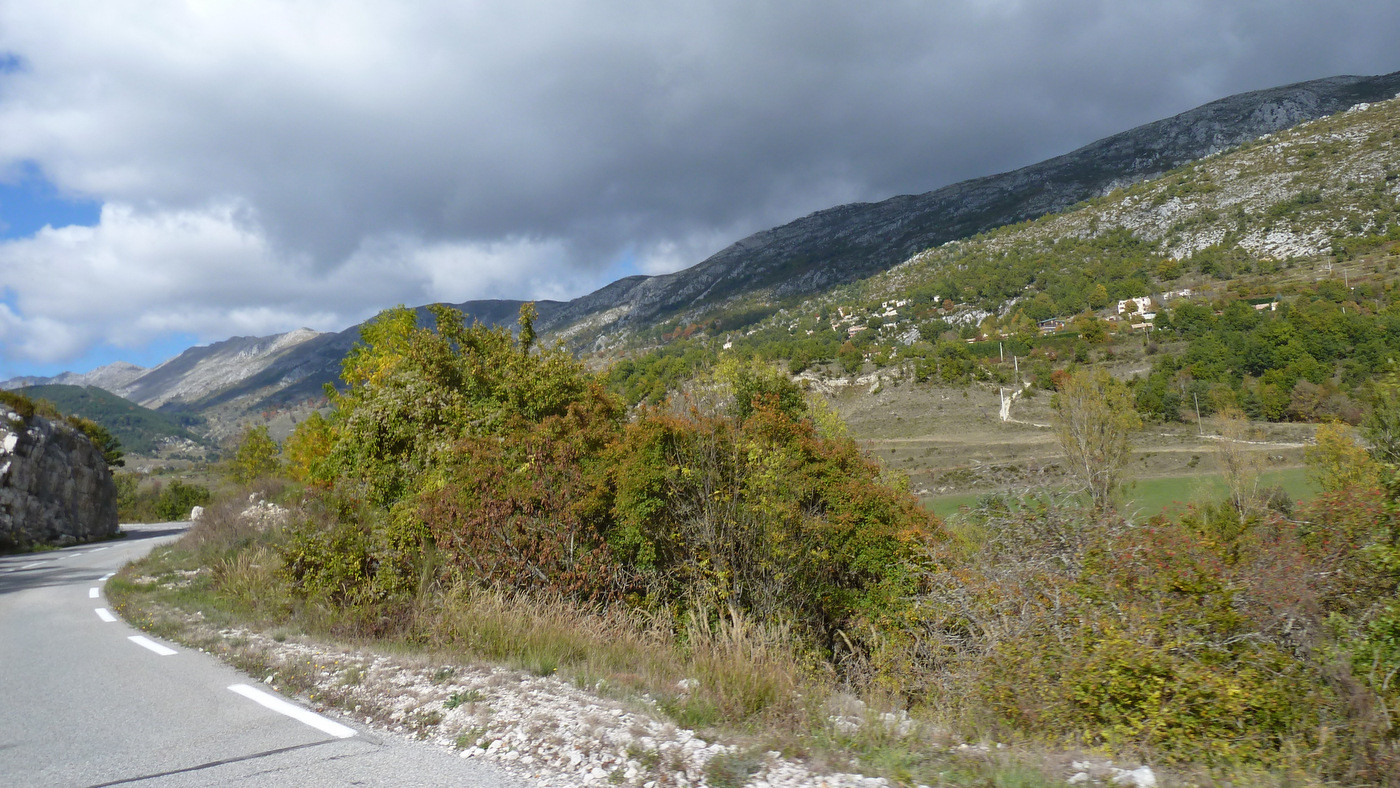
[522,511]
[1159,638]
[255,457]
[175,501]
[157,501]
[326,551]
[763,516]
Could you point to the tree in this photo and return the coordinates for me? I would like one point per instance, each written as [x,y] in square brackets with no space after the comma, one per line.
[256,456]
[308,445]
[1094,416]
[1091,328]
[1098,297]
[1336,461]
[528,314]
[850,357]
[1240,466]
[103,440]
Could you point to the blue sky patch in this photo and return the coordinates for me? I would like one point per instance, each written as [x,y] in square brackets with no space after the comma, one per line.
[29,201]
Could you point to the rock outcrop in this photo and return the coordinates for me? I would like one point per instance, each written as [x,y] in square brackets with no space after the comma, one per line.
[55,487]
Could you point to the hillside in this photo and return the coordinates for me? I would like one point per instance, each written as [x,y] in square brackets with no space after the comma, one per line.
[142,431]
[1313,203]
[848,242]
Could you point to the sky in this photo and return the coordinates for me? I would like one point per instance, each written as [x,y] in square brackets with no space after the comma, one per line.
[176,173]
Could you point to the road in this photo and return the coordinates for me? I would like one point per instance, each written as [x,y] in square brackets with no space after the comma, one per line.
[85,700]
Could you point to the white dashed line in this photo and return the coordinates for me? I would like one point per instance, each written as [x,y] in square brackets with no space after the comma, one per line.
[31,566]
[105,614]
[294,711]
[93,592]
[145,642]
[105,577]
[98,550]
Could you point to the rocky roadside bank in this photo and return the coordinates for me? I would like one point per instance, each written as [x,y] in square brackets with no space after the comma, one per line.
[541,728]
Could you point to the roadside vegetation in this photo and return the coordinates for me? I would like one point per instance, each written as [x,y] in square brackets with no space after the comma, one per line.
[733,555]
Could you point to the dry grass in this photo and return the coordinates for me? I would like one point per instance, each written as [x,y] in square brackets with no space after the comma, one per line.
[727,671]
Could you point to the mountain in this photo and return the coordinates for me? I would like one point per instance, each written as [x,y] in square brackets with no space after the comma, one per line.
[110,377]
[140,430]
[850,242]
[781,265]
[199,371]
[1314,203]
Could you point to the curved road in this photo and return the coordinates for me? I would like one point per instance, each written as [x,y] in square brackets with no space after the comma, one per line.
[86,700]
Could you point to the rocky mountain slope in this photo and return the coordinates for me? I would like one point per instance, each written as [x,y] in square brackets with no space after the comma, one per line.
[849,242]
[1315,193]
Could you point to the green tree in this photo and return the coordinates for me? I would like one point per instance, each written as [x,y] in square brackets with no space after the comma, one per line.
[412,392]
[528,314]
[256,456]
[1336,461]
[850,357]
[1098,297]
[307,446]
[103,440]
[1094,419]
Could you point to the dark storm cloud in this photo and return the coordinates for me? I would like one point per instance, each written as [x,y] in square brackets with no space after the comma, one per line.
[358,154]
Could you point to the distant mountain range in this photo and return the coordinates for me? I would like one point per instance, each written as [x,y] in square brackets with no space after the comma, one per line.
[806,256]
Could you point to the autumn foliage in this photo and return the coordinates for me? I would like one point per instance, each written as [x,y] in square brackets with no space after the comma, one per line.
[472,458]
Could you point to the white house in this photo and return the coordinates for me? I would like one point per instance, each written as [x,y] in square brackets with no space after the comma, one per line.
[1143,302]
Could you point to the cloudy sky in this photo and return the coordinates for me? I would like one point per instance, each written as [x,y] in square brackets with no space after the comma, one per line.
[174,173]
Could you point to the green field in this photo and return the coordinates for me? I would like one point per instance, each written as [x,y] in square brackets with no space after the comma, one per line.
[1168,494]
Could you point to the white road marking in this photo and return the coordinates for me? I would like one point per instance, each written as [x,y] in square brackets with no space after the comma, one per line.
[294,711]
[105,577]
[98,550]
[145,642]
[93,592]
[105,614]
[31,566]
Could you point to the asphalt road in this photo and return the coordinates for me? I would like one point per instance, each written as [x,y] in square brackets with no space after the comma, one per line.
[84,703]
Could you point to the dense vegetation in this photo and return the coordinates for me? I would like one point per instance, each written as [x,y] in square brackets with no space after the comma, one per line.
[1244,637]
[511,466]
[1304,361]
[142,500]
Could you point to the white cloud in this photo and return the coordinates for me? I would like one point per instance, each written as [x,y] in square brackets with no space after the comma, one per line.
[212,273]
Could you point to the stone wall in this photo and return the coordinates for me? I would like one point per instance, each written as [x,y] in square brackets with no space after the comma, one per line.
[55,488]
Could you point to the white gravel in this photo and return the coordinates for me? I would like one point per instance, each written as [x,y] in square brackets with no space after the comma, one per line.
[539,728]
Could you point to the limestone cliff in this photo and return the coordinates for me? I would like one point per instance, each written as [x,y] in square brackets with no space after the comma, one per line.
[55,488]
